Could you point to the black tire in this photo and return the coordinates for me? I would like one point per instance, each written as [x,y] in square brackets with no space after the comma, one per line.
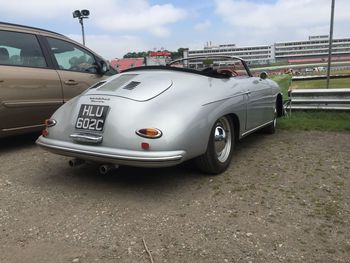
[220,147]
[271,128]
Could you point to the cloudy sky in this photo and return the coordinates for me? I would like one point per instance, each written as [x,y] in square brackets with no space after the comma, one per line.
[116,27]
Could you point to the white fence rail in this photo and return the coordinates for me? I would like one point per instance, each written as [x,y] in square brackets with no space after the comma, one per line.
[319,99]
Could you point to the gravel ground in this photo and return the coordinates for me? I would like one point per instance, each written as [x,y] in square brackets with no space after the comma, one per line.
[285,198]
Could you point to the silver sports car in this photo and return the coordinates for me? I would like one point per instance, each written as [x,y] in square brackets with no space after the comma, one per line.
[157,116]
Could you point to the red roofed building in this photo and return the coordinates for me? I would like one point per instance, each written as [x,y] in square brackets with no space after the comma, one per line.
[159,54]
[125,63]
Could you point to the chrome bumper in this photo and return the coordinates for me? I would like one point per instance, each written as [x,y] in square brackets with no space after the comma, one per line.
[104,154]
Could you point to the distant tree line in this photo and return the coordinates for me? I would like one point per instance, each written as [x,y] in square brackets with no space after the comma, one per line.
[174,54]
[135,54]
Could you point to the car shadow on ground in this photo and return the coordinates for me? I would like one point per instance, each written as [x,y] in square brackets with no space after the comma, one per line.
[52,171]
[127,177]
[133,178]
[18,142]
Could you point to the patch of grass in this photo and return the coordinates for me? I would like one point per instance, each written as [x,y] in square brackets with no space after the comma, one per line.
[321,84]
[316,120]
[330,211]
[331,251]
[313,120]
[333,72]
[216,187]
[245,187]
[347,248]
[284,81]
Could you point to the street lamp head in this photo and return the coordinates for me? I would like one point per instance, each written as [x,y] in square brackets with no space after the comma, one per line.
[76,13]
[85,12]
[81,15]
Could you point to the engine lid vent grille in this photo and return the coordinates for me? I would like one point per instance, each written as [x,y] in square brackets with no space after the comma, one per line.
[131,85]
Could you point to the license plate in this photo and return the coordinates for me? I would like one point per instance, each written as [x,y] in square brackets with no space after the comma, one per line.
[91,117]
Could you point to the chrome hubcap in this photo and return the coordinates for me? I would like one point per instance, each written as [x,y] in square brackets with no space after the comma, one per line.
[275,118]
[222,139]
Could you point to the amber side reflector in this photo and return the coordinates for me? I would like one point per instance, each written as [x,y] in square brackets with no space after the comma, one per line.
[151,133]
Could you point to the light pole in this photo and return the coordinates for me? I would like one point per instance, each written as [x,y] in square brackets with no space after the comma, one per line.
[330,44]
[81,15]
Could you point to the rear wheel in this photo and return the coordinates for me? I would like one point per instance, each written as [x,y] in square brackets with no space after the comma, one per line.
[219,151]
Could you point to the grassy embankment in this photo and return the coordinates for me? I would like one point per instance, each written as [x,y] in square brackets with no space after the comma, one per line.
[321,84]
[313,120]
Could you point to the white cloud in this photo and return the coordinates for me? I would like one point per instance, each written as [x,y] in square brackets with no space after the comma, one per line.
[201,27]
[284,17]
[111,15]
[148,18]
[111,47]
[43,9]
[244,22]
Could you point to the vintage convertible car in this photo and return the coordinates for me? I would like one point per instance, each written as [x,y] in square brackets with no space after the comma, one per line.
[157,116]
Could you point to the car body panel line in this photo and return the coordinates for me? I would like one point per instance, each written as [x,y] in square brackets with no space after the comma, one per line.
[236,95]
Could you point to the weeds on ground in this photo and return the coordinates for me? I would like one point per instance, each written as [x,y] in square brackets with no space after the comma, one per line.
[316,120]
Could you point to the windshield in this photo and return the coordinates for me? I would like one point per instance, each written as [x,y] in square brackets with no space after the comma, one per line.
[230,66]
[215,66]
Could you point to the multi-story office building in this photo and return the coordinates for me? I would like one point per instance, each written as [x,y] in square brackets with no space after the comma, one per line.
[313,49]
[252,54]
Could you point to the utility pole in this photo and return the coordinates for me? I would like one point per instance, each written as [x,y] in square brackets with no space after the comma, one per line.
[330,44]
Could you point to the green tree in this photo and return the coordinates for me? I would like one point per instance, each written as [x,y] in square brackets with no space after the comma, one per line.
[174,54]
[177,54]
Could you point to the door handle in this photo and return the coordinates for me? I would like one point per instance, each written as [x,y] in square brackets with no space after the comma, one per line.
[71,82]
[255,82]
[1,80]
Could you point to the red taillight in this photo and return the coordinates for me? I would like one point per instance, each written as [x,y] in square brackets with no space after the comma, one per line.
[145,146]
[45,133]
[151,133]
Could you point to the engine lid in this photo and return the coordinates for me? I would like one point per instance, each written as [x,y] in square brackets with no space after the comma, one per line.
[138,87]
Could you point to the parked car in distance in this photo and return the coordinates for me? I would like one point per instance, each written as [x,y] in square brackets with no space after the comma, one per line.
[39,71]
[156,116]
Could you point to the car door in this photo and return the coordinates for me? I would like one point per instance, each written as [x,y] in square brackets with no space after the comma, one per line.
[30,89]
[259,103]
[76,67]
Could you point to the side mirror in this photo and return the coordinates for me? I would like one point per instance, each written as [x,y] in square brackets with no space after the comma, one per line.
[263,75]
[102,67]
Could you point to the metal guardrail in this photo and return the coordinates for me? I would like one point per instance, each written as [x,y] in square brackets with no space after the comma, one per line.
[317,77]
[318,99]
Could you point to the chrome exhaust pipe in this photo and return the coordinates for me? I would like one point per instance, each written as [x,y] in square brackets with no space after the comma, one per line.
[106,168]
[75,162]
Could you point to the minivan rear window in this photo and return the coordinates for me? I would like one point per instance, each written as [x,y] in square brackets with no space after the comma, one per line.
[20,49]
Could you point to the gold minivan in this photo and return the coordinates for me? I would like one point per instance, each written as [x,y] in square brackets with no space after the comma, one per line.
[39,71]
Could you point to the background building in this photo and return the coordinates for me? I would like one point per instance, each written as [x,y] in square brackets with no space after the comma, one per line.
[252,54]
[125,63]
[315,49]
[153,58]
[156,58]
